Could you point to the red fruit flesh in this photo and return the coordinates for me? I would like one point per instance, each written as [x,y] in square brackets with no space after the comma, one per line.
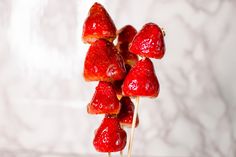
[149,42]
[125,36]
[104,100]
[126,113]
[110,137]
[103,63]
[98,25]
[141,80]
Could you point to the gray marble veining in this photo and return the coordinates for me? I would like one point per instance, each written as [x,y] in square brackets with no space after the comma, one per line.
[43,96]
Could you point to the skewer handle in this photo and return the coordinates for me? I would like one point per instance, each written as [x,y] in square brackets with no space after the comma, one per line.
[133,127]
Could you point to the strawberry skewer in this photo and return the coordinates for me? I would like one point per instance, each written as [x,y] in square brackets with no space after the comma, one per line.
[125,37]
[141,80]
[105,64]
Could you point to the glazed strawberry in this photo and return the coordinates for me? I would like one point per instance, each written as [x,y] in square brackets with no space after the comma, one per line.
[110,137]
[104,100]
[126,113]
[103,63]
[125,36]
[149,42]
[98,25]
[141,80]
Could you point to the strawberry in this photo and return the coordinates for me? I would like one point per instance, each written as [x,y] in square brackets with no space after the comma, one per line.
[103,63]
[149,42]
[126,112]
[110,137]
[104,100]
[141,80]
[98,25]
[125,36]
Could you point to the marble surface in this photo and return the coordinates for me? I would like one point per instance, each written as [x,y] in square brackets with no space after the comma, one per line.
[43,96]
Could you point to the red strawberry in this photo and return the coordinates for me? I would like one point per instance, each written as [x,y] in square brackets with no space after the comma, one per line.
[125,36]
[110,137]
[149,42]
[98,25]
[141,80]
[126,113]
[104,100]
[103,63]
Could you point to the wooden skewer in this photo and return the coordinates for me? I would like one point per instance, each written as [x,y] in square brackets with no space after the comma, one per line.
[109,154]
[121,153]
[131,139]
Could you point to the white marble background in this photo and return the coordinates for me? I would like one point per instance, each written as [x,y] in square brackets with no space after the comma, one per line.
[43,95]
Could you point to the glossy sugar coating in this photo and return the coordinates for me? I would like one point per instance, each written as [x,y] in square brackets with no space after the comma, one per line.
[149,42]
[110,137]
[104,100]
[103,63]
[141,80]
[98,25]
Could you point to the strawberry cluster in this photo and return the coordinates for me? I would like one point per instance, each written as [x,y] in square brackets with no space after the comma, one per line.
[120,72]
